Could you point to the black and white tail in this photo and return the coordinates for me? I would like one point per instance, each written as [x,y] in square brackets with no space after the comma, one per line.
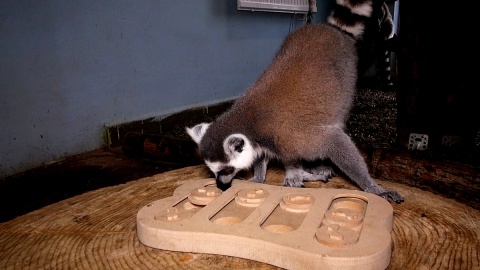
[386,44]
[351,16]
[375,47]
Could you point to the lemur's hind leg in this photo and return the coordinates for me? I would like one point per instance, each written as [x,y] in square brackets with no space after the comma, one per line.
[320,168]
[343,153]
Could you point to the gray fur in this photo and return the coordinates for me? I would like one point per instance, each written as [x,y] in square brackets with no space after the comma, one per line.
[294,112]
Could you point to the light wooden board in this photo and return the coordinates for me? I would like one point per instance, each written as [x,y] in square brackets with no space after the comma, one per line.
[306,228]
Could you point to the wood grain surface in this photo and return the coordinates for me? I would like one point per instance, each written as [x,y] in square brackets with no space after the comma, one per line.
[97,230]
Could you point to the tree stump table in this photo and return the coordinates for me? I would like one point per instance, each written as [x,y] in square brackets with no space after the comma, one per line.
[97,230]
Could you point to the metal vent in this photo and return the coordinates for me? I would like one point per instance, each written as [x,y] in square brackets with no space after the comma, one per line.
[285,6]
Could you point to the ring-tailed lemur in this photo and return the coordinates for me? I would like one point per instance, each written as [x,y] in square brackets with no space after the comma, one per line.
[296,110]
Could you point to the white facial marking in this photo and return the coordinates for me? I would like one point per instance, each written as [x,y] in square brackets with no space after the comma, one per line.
[215,167]
[238,160]
[244,159]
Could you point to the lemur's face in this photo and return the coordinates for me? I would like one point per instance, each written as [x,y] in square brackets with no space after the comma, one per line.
[238,154]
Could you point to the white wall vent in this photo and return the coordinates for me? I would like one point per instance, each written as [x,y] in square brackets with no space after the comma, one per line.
[285,6]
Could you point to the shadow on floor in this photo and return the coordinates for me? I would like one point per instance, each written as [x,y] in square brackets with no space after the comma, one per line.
[39,187]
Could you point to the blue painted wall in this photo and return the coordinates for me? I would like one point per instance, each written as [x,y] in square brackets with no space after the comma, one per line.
[69,68]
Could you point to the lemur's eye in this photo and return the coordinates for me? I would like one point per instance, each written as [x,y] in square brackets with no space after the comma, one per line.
[226,170]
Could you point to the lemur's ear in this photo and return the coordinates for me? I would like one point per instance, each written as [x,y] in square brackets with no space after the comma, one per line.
[197,132]
[234,145]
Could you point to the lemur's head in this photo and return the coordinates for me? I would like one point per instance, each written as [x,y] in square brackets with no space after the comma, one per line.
[224,154]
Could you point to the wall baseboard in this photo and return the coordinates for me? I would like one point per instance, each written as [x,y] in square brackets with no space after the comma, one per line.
[172,125]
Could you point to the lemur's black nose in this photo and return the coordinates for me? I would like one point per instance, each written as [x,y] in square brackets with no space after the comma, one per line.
[223,186]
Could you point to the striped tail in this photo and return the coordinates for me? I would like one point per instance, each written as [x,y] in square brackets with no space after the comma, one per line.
[350,16]
[376,45]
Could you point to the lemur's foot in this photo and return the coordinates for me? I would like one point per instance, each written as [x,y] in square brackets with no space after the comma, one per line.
[385,193]
[294,177]
[323,173]
[293,182]
[320,168]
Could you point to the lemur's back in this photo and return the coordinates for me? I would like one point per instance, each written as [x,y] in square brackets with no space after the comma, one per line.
[309,84]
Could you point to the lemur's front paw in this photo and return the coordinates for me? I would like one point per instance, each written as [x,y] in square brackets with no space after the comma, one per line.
[385,193]
[319,173]
[295,176]
[293,182]
[256,180]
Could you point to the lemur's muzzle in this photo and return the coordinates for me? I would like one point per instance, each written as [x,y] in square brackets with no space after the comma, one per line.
[221,185]
[224,181]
